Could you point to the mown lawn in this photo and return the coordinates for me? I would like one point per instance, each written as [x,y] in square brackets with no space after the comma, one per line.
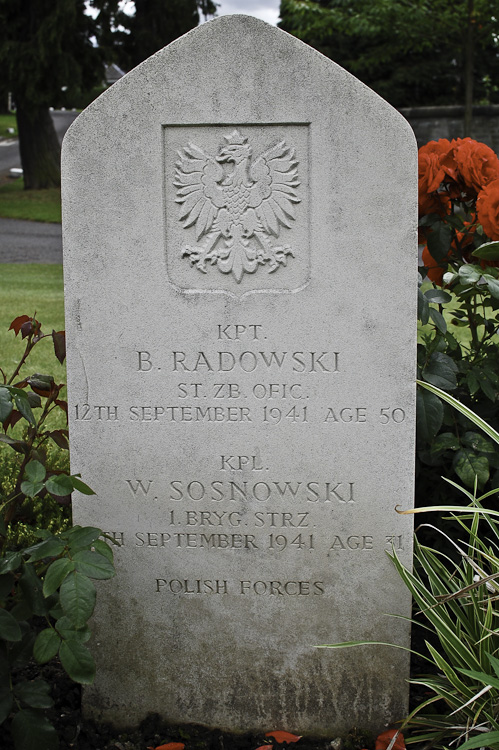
[34,205]
[26,289]
[6,122]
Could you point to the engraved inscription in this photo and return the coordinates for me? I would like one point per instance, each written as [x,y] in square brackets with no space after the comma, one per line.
[261,491]
[260,588]
[237,204]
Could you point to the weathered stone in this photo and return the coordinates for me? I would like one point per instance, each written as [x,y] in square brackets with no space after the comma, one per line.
[240,260]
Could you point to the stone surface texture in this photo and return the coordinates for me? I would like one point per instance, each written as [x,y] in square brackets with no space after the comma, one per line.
[240,262]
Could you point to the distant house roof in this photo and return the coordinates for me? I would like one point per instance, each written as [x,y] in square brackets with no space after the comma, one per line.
[113,73]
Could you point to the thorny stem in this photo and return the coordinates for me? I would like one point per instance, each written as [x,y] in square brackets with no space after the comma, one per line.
[29,347]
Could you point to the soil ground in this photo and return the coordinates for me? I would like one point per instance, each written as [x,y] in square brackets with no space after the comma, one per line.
[77,733]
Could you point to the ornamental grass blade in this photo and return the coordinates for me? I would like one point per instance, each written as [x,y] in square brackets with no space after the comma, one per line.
[494,663]
[473,699]
[450,673]
[485,679]
[436,615]
[468,413]
[486,739]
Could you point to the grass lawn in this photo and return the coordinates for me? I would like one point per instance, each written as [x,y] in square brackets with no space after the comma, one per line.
[6,122]
[24,290]
[35,205]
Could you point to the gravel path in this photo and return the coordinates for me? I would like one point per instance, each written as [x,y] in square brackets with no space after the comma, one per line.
[30,242]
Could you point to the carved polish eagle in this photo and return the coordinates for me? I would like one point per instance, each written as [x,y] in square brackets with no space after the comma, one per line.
[237,212]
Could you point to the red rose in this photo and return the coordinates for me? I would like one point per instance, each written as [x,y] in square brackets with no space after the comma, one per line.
[431,172]
[487,205]
[477,163]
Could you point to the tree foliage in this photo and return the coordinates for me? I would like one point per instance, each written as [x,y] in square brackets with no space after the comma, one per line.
[128,39]
[412,52]
[45,47]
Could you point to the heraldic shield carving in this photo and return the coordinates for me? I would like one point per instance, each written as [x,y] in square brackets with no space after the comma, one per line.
[236,206]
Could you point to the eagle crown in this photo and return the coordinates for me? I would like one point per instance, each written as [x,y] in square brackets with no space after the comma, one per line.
[236,152]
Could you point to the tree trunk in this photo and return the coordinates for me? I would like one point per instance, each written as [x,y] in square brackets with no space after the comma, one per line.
[468,70]
[39,147]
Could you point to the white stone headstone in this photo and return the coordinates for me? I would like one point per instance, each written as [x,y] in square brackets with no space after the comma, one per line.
[240,261]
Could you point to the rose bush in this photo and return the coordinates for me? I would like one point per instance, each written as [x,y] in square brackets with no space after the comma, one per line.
[459,310]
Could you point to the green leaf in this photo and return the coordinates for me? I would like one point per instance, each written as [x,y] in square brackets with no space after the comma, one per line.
[484,739]
[492,285]
[439,241]
[478,442]
[441,371]
[46,645]
[35,471]
[81,486]
[438,319]
[6,583]
[35,693]
[445,441]
[487,251]
[11,561]
[56,574]
[428,220]
[77,597]
[34,399]
[59,485]
[18,445]
[469,274]
[49,548]
[22,651]
[93,565]
[24,407]
[31,489]
[4,666]
[488,387]
[80,537]
[69,632]
[31,587]
[467,464]
[429,415]
[100,546]
[449,277]
[6,701]
[9,627]
[6,405]
[438,296]
[472,382]
[465,410]
[77,661]
[423,308]
[33,731]
[46,379]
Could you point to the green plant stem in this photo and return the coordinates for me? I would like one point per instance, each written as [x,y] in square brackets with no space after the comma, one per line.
[472,325]
[29,347]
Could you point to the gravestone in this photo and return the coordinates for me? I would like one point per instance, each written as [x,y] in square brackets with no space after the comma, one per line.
[240,260]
